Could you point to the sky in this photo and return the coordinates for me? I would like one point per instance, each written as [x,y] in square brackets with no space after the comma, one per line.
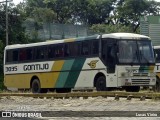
[15,1]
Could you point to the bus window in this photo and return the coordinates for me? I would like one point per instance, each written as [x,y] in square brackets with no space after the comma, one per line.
[29,54]
[59,51]
[72,49]
[15,55]
[9,56]
[51,51]
[66,50]
[22,54]
[40,52]
[94,47]
[85,48]
[145,48]
[128,52]
[78,48]
[12,55]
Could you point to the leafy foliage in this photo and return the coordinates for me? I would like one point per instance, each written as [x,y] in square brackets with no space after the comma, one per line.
[1,64]
[129,11]
[103,28]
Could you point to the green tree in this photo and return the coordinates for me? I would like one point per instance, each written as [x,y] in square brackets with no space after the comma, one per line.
[129,11]
[43,15]
[62,8]
[1,51]
[92,11]
[15,19]
[1,64]
[72,11]
[103,28]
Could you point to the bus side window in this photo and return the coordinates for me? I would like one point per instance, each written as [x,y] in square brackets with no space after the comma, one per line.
[22,54]
[104,49]
[51,51]
[59,50]
[74,49]
[71,49]
[29,54]
[78,47]
[41,52]
[9,56]
[94,47]
[66,50]
[15,55]
[12,55]
[85,48]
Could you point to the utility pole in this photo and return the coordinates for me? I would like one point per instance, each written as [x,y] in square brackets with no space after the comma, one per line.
[6,19]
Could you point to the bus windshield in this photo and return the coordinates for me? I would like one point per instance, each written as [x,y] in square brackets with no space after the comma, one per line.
[135,52]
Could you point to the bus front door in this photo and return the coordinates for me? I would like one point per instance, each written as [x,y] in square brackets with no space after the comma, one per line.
[111,60]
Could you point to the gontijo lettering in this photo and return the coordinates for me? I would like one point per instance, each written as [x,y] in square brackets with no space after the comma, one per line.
[36,67]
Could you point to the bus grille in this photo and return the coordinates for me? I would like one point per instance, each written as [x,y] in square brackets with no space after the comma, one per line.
[140,81]
[140,74]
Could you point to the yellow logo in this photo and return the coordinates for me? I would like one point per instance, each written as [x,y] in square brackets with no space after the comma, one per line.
[92,64]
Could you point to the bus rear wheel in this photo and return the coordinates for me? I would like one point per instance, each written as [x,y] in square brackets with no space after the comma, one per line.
[36,87]
[101,84]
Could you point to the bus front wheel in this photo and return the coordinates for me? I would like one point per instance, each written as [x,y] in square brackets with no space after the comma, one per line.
[157,86]
[101,84]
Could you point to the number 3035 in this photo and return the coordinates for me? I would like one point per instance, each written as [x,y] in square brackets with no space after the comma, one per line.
[10,69]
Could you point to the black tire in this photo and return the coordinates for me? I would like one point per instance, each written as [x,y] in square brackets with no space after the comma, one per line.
[132,89]
[36,86]
[157,86]
[101,84]
[63,90]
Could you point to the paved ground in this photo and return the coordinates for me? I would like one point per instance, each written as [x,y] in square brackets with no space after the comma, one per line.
[82,105]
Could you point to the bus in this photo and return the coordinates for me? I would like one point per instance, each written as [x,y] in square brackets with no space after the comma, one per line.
[101,62]
[157,67]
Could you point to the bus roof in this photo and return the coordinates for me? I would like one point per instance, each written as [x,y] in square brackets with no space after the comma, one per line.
[51,42]
[111,35]
[124,36]
[156,47]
